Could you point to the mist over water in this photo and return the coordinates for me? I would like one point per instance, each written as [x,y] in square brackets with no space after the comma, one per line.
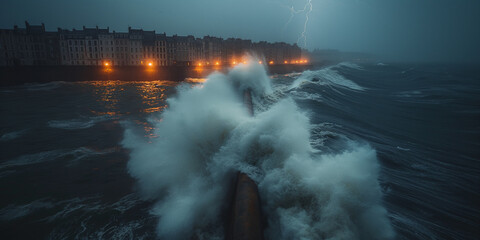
[206,135]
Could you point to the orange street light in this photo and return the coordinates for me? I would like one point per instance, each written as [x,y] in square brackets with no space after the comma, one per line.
[271,62]
[150,64]
[260,62]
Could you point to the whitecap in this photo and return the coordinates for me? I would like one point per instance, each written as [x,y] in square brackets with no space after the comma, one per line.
[300,95]
[43,86]
[326,76]
[12,212]
[34,158]
[12,135]
[403,149]
[349,65]
[78,123]
[73,155]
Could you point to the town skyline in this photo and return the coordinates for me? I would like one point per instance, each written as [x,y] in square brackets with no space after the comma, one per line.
[35,45]
[429,30]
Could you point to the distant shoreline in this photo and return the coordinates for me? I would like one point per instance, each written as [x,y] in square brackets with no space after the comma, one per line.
[18,75]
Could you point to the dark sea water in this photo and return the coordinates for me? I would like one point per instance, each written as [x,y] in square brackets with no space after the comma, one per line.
[71,163]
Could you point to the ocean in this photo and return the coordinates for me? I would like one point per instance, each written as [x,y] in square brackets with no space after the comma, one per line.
[346,151]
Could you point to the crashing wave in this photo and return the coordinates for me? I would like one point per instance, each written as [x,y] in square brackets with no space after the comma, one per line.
[207,134]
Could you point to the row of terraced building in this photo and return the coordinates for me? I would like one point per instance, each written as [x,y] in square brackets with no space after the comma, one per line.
[33,45]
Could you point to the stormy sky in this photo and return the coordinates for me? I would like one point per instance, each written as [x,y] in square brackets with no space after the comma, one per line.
[416,30]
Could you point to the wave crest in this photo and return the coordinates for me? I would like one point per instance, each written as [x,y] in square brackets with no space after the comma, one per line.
[329,76]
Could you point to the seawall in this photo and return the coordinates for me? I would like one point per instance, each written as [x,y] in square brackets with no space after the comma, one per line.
[29,74]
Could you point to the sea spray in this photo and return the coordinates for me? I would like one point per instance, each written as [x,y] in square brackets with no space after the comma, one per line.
[206,135]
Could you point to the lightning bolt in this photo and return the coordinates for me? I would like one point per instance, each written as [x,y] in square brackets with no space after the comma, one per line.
[307,9]
[293,12]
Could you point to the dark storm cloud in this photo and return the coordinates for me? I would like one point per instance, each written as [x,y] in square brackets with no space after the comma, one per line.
[424,30]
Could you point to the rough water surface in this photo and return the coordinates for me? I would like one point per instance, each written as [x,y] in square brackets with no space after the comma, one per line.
[341,152]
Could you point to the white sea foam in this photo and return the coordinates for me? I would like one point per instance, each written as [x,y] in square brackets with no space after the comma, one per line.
[12,212]
[301,95]
[43,86]
[73,155]
[327,76]
[207,134]
[403,149]
[35,158]
[409,94]
[12,135]
[320,133]
[78,123]
[349,65]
